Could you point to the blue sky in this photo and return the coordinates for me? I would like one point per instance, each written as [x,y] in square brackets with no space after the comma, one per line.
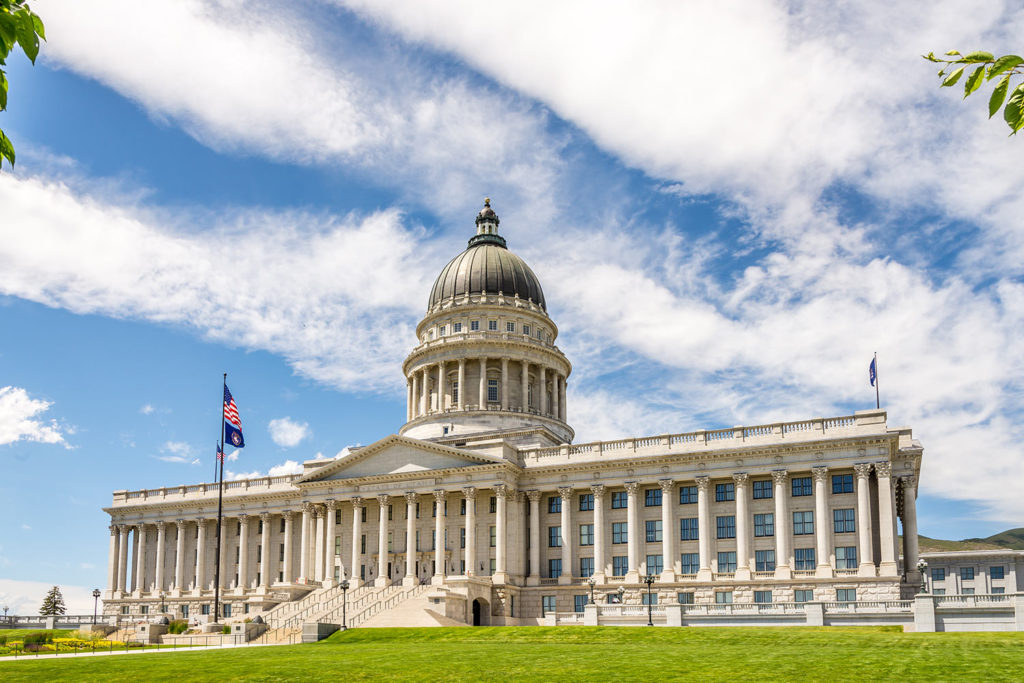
[731,206]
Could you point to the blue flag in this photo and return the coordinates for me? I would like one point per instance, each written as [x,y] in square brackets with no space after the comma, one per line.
[232,423]
[872,372]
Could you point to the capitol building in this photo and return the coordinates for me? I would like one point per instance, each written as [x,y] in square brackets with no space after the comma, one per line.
[485,509]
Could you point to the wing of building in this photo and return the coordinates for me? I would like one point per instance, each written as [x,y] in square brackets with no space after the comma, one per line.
[483,496]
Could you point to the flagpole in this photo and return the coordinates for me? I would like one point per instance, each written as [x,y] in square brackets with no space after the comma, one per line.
[878,403]
[220,507]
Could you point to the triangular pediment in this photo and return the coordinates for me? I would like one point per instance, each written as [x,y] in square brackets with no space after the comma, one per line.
[398,455]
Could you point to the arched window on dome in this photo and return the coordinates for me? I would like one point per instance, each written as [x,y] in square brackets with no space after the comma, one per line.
[455,392]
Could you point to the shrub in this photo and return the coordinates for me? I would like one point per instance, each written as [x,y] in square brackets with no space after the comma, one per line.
[38,638]
[3,639]
[226,630]
[177,626]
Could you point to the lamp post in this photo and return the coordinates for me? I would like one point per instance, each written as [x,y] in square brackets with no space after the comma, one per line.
[163,607]
[649,579]
[922,566]
[344,603]
[591,582]
[95,604]
[5,612]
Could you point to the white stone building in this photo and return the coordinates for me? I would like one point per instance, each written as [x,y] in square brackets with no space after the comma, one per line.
[974,572]
[483,495]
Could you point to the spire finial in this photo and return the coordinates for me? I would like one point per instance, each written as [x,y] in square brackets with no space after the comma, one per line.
[487,201]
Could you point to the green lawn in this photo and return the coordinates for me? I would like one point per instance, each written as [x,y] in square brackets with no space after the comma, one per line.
[19,633]
[576,653]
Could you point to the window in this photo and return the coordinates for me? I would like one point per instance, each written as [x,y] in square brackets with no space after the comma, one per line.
[846,595]
[803,523]
[491,567]
[803,595]
[462,537]
[492,325]
[620,565]
[939,574]
[474,325]
[555,567]
[586,534]
[996,590]
[685,598]
[689,563]
[554,503]
[586,566]
[494,536]
[391,512]
[619,500]
[967,591]
[764,525]
[997,572]
[842,521]
[510,327]
[803,558]
[362,544]
[652,498]
[456,327]
[492,390]
[619,532]
[580,601]
[203,609]
[526,330]
[764,560]
[227,610]
[723,597]
[144,609]
[762,488]
[846,557]
[259,527]
[547,602]
[586,502]
[653,529]
[462,507]
[967,573]
[282,523]
[842,483]
[363,514]
[337,516]
[433,509]
[493,504]
[802,486]
[726,526]
[280,555]
[433,539]
[337,548]
[725,492]
[441,331]
[938,591]
[688,529]
[648,598]
[762,597]
[184,611]
[455,391]
[554,537]
[655,564]
[687,495]
[727,561]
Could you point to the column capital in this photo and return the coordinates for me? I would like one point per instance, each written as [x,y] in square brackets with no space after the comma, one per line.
[382,499]
[740,478]
[598,490]
[411,497]
[264,517]
[331,504]
[307,508]
[502,490]
[883,469]
[357,502]
[243,517]
[533,495]
[819,473]
[468,492]
[287,514]
[666,485]
[780,476]
[632,487]
[863,470]
[703,481]
[318,511]
[440,496]
[114,529]
[520,497]
[565,493]
[139,526]
[909,481]
[181,523]
[161,525]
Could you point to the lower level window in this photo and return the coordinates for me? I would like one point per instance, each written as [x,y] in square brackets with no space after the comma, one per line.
[184,611]
[764,560]
[998,591]
[846,557]
[846,594]
[227,610]
[689,563]
[586,566]
[580,602]
[967,591]
[942,591]
[620,565]
[803,596]
[803,558]
[204,609]
[492,390]
[723,597]
[762,597]
[554,567]
[144,609]
[649,598]
[655,564]
[124,609]
[685,598]
[727,562]
[547,604]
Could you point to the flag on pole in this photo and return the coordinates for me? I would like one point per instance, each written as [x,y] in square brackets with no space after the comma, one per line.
[232,424]
[220,453]
[872,372]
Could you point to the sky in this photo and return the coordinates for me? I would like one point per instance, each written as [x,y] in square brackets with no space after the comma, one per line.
[731,206]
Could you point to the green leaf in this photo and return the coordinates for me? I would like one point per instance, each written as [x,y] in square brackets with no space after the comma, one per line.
[953,53]
[952,78]
[930,57]
[6,149]
[979,57]
[974,80]
[37,23]
[27,37]
[8,30]
[998,96]
[3,91]
[1002,64]
[1012,110]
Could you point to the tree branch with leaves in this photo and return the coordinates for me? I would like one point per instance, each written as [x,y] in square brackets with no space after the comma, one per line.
[984,66]
[19,25]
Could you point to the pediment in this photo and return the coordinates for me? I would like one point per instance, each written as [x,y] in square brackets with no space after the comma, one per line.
[398,455]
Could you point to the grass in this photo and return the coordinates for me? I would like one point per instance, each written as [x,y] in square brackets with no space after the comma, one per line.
[19,633]
[576,653]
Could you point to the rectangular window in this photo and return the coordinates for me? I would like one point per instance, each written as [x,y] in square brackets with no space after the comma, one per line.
[620,500]
[764,525]
[802,486]
[554,537]
[727,562]
[526,330]
[938,591]
[462,537]
[455,392]
[456,327]
[938,574]
[184,611]
[689,563]
[474,325]
[259,528]
[337,516]
[764,560]
[688,529]
[586,566]
[620,565]
[842,521]
[803,523]
[762,488]
[259,556]
[846,595]
[842,483]
[586,534]
[510,327]
[363,518]
[492,390]
[547,602]
[648,598]
[619,532]
[655,564]
[803,558]
[442,330]
[203,609]
[997,572]
[493,505]
[462,507]
[554,504]
[282,524]
[391,512]
[846,557]
[494,536]
[762,597]
[586,502]
[685,598]
[726,526]
[724,492]
[492,565]
[144,609]
[723,597]
[362,544]
[687,495]
[555,567]
[803,595]
[280,555]
[653,529]
[580,601]
[652,498]
[996,590]
[227,610]
[967,591]
[492,325]
[967,573]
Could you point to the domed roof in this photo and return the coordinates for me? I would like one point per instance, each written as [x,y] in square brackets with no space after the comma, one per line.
[487,266]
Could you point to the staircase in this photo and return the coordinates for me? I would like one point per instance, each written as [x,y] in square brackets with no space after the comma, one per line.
[415,610]
[294,613]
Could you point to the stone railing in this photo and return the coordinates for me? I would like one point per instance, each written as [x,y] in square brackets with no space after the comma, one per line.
[195,491]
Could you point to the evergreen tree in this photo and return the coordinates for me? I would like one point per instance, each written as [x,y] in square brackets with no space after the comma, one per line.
[53,603]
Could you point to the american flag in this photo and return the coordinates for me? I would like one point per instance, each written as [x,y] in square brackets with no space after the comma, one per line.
[230,409]
[220,454]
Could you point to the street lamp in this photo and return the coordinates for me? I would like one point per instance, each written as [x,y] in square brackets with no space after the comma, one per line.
[163,607]
[5,612]
[344,602]
[95,604]
[649,579]
[591,583]
[922,566]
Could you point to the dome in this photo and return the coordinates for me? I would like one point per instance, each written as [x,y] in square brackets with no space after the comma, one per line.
[487,266]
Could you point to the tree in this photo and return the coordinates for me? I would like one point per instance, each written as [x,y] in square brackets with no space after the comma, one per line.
[19,25]
[53,603]
[988,67]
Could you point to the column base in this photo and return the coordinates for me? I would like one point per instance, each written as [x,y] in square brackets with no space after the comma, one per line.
[599,578]
[866,569]
[327,583]
[783,571]
[667,576]
[824,571]
[633,577]
[355,583]
[742,574]
[409,580]
[532,580]
[888,569]
[499,577]
[437,580]
[704,574]
[564,580]
[381,582]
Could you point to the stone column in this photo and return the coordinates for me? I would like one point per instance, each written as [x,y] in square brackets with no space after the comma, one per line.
[600,559]
[439,498]
[565,492]
[410,532]
[910,540]
[265,550]
[357,532]
[504,384]
[783,527]
[543,404]
[331,507]
[317,526]
[414,403]
[304,538]
[534,578]
[289,532]
[886,520]
[224,554]
[135,558]
[743,553]
[243,553]
[409,393]
[864,549]
[526,386]
[161,557]
[139,567]
[112,553]
[555,383]
[424,390]
[201,556]
[704,527]
[561,399]
[632,532]
[462,384]
[669,530]
[483,384]
[469,495]
[440,386]
[179,555]
[382,540]
[500,572]
[823,525]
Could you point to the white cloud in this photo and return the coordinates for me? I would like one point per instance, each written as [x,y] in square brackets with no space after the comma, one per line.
[178,452]
[24,597]
[20,421]
[26,527]
[287,467]
[288,433]
[147,409]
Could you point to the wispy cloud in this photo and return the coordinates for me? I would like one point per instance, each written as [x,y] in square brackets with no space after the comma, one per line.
[178,452]
[147,409]
[20,419]
[288,433]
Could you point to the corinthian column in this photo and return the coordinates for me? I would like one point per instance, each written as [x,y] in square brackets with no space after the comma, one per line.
[243,553]
[382,540]
[140,583]
[865,549]
[424,390]
[440,386]
[555,382]
[439,498]
[704,527]
[307,514]
[112,562]
[783,527]
[329,545]
[161,540]
[469,495]
[822,530]
[462,384]
[668,531]
[886,520]
[500,575]
[504,384]
[526,386]
[318,543]
[410,533]
[543,390]
[265,550]
[122,563]
[565,493]
[289,532]
[483,383]
[357,532]
[414,402]
[200,584]
[600,559]
[910,540]
[632,533]
[742,527]
[179,556]
[534,578]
